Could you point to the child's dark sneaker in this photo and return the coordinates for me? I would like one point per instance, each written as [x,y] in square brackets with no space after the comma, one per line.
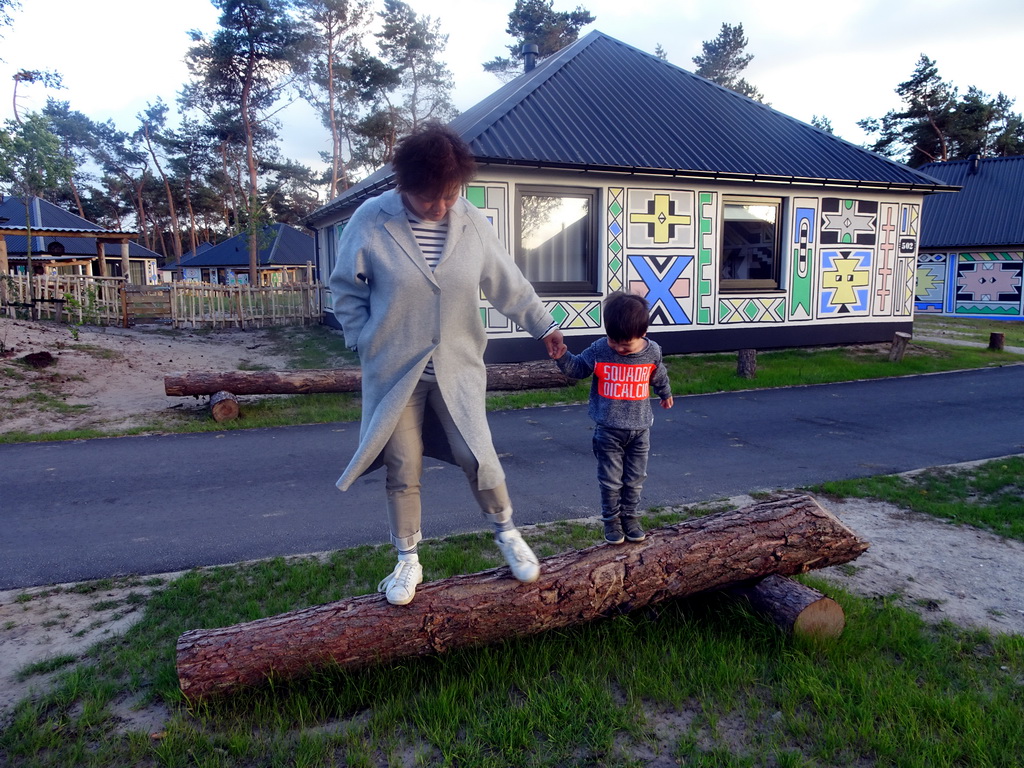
[613,531]
[633,530]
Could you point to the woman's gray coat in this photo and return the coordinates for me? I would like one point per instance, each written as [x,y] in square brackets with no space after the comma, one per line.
[396,314]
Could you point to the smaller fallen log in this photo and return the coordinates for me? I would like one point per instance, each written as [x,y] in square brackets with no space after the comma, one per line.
[786,535]
[794,607]
[535,374]
[223,406]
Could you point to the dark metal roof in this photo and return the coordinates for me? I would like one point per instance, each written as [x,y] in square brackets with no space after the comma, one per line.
[47,217]
[988,211]
[186,257]
[602,105]
[283,246]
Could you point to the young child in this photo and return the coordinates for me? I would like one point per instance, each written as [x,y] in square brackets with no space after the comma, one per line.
[625,366]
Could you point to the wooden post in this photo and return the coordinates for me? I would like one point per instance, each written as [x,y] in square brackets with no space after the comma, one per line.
[997,341]
[785,535]
[126,271]
[4,267]
[899,346]
[101,257]
[746,364]
[123,290]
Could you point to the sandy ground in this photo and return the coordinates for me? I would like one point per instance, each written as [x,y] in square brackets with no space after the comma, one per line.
[110,377]
[940,570]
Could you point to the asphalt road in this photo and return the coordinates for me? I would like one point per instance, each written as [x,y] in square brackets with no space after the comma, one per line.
[96,508]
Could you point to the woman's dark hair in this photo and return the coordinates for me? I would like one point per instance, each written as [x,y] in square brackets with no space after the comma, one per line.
[626,316]
[432,162]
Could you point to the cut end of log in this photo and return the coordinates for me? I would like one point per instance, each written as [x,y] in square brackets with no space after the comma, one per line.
[823,618]
[223,406]
[794,607]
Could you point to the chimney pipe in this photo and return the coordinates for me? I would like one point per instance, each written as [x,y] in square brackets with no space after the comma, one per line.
[530,52]
[973,167]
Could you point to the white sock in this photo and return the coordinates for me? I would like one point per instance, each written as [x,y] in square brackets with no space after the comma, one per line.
[409,557]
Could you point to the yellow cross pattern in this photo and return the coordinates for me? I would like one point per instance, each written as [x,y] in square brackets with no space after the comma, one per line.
[844,278]
[662,219]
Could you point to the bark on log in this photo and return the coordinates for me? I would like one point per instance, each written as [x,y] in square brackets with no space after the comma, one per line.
[794,607]
[787,535]
[223,406]
[536,374]
[899,346]
[997,341]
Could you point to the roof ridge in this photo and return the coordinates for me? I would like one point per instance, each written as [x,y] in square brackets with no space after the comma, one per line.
[527,83]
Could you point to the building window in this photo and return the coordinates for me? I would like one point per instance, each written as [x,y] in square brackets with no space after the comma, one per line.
[331,235]
[750,243]
[557,244]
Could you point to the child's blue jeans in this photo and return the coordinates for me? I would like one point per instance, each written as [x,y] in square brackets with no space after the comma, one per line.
[621,469]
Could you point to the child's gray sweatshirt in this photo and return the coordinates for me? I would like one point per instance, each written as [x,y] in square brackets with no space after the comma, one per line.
[620,390]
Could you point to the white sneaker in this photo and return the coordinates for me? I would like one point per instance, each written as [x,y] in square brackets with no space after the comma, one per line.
[400,585]
[518,555]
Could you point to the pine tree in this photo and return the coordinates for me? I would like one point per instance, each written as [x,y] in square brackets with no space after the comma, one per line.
[536,22]
[723,61]
[936,124]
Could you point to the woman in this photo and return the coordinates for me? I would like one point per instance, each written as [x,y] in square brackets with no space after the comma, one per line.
[411,266]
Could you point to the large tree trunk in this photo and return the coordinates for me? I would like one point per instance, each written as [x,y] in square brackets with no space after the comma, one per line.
[532,375]
[783,536]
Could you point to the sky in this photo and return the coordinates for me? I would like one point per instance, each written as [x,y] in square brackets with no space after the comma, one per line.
[839,60]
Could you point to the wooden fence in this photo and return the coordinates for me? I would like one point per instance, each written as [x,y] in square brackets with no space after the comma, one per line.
[110,301]
[64,298]
[202,305]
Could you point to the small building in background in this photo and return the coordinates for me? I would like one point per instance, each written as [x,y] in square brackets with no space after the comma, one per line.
[605,168]
[172,269]
[971,259]
[69,246]
[286,255]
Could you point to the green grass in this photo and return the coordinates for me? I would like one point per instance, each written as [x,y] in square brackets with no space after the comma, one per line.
[698,682]
[321,347]
[705,373]
[990,497]
[970,329]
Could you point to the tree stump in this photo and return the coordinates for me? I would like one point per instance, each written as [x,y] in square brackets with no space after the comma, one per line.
[794,607]
[900,340]
[786,535]
[223,406]
[997,341]
[746,364]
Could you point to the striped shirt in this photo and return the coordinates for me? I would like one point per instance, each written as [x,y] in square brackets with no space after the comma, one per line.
[430,237]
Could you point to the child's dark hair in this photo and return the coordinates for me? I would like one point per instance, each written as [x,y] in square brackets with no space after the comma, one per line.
[626,316]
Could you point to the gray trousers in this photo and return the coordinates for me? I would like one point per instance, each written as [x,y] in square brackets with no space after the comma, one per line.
[403,458]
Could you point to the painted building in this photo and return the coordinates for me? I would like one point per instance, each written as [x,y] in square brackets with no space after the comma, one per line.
[971,259]
[607,168]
